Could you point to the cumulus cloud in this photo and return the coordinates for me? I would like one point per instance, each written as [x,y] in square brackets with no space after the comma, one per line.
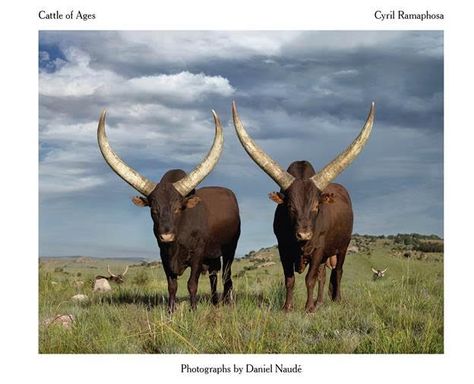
[386,42]
[180,87]
[141,123]
[75,78]
[301,95]
[143,50]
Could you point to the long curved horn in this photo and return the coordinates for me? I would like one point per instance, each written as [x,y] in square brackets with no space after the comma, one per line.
[110,273]
[126,270]
[189,182]
[322,178]
[128,174]
[268,165]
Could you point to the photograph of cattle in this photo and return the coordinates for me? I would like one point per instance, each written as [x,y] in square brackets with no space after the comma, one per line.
[259,160]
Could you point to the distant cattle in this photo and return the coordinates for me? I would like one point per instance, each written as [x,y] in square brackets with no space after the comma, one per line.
[101,283]
[313,219]
[378,273]
[193,227]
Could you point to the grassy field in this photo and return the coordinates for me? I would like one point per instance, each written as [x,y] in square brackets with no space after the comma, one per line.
[401,313]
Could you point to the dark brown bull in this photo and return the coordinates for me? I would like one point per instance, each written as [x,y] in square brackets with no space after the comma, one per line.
[194,228]
[313,219]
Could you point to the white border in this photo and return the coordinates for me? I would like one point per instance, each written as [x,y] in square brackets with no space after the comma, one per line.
[19,36]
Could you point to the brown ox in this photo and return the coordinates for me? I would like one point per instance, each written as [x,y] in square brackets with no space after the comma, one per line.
[101,283]
[378,273]
[313,219]
[193,228]
[119,279]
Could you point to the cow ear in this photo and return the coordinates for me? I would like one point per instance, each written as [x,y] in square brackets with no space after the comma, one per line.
[277,197]
[326,198]
[191,202]
[140,201]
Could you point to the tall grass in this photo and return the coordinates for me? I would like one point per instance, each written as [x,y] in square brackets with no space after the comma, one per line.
[402,313]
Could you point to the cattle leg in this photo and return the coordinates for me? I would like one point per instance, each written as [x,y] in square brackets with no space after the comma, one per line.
[310,283]
[228,258]
[227,281]
[172,288]
[335,284]
[214,267]
[289,272]
[213,281]
[321,283]
[336,276]
[193,285]
[172,284]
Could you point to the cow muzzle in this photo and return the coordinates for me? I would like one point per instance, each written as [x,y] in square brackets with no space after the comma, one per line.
[167,237]
[304,235]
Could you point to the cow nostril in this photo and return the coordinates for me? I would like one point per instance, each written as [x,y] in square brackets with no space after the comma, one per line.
[167,237]
[304,235]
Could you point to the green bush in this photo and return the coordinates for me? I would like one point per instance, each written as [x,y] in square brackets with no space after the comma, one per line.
[141,278]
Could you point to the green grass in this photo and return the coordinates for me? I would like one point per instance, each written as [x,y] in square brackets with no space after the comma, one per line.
[401,313]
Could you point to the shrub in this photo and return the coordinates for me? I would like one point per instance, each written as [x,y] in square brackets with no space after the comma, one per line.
[429,246]
[141,278]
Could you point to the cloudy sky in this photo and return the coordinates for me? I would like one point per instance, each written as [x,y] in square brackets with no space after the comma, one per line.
[301,95]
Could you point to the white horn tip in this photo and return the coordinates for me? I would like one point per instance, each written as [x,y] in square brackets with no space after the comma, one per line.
[217,121]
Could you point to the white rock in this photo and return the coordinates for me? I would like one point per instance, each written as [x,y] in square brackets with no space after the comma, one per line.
[80,298]
[65,321]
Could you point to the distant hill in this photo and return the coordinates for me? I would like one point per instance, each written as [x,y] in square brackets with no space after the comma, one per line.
[407,245]
[89,259]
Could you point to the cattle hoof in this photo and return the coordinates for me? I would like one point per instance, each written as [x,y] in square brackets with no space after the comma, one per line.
[310,308]
[318,304]
[229,302]
[287,308]
[215,299]
[229,298]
